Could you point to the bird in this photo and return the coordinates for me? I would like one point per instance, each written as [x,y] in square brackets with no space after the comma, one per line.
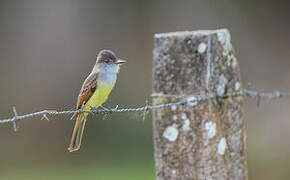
[95,91]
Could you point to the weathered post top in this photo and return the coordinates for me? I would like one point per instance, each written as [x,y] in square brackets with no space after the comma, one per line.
[206,141]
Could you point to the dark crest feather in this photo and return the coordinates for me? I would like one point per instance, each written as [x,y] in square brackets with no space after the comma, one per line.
[106,55]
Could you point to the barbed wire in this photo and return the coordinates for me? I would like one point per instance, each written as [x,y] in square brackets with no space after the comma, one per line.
[190,100]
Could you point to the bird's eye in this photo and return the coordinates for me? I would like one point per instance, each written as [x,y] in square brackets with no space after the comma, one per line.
[107,60]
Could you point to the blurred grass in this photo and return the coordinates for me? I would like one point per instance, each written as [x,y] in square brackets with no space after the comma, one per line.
[129,171]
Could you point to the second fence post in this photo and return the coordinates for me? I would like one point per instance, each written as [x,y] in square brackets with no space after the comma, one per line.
[207,141]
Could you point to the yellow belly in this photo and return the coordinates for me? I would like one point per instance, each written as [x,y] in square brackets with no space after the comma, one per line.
[99,97]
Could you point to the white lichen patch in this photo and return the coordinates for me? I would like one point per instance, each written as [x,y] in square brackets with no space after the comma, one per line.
[186,122]
[183,116]
[210,127]
[230,57]
[173,108]
[222,85]
[221,90]
[201,48]
[231,60]
[174,117]
[224,38]
[173,171]
[186,125]
[237,86]
[222,146]
[171,133]
[192,101]
[234,62]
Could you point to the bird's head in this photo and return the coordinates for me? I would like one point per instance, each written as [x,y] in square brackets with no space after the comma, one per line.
[107,57]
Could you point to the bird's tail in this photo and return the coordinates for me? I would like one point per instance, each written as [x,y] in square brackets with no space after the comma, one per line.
[76,139]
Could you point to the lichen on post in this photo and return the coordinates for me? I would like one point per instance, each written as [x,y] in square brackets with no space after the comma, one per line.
[207,140]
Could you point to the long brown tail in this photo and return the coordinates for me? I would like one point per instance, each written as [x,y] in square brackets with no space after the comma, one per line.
[76,139]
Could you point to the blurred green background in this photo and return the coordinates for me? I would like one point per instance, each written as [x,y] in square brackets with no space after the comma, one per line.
[48,47]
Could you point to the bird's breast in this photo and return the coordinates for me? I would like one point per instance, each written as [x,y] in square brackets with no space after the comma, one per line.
[107,78]
[105,84]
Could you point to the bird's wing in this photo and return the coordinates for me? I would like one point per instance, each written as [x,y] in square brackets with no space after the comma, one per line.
[87,89]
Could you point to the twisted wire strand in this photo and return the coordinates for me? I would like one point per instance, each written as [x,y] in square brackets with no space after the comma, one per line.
[191,100]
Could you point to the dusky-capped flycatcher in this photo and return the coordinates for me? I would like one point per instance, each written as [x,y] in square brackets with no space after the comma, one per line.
[95,91]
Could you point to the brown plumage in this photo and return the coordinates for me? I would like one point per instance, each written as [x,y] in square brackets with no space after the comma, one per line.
[88,88]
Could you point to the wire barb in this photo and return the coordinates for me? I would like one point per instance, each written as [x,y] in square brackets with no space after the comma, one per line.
[44,116]
[258,99]
[15,124]
[146,107]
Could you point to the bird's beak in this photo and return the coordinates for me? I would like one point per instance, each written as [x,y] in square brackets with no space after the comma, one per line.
[120,61]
